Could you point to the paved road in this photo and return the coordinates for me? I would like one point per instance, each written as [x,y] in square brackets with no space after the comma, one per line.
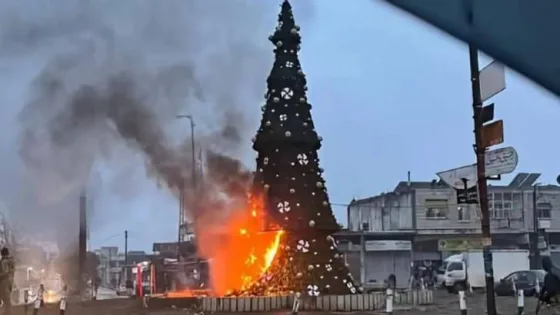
[107,294]
[448,304]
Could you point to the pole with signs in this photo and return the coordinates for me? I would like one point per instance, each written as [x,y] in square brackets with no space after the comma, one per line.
[485,136]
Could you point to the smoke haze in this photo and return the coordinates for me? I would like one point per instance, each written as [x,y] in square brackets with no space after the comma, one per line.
[101,82]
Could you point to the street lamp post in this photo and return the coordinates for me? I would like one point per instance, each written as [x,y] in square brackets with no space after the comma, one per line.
[194,180]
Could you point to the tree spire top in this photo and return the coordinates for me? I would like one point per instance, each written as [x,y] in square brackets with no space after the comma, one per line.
[287,32]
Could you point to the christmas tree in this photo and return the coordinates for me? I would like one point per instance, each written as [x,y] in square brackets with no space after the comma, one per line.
[290,180]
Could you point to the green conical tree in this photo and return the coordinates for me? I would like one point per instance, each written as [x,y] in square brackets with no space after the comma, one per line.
[290,179]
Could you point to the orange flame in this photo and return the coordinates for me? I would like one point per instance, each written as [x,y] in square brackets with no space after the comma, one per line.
[240,252]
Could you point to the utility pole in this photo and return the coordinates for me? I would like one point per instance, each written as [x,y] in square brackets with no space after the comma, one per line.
[183,187]
[535,243]
[480,150]
[82,241]
[125,256]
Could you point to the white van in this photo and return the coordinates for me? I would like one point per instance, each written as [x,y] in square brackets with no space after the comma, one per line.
[458,268]
[441,271]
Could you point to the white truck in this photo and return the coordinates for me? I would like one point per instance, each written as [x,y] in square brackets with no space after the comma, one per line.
[470,265]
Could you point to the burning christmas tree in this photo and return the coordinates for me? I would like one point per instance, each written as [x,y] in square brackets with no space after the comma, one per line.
[290,181]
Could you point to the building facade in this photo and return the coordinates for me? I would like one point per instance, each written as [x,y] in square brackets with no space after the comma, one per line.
[112,264]
[428,216]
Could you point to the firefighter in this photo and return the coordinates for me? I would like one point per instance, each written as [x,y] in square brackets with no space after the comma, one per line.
[7,271]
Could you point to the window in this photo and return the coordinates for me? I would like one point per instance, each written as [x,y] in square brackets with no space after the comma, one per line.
[463,213]
[365,226]
[455,266]
[501,205]
[544,210]
[511,277]
[517,201]
[436,208]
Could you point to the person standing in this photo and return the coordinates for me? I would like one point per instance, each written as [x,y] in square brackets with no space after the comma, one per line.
[39,302]
[63,299]
[7,271]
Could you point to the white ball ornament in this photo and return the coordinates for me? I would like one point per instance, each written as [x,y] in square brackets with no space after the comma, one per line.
[325,203]
[268,123]
[292,191]
[279,43]
[299,275]
[294,31]
[288,134]
[310,267]
[276,99]
[311,223]
[266,186]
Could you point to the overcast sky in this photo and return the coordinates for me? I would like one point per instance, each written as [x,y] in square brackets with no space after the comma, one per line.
[389,93]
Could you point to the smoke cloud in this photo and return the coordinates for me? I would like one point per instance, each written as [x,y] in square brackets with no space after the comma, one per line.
[104,83]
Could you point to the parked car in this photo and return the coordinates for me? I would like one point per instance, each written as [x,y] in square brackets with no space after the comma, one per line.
[123,291]
[523,279]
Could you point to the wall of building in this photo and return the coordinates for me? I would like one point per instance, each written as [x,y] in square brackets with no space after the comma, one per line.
[437,209]
[388,212]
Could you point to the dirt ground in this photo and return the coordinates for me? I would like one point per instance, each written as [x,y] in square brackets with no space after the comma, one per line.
[445,304]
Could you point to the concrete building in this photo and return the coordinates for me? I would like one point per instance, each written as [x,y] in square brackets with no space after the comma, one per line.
[112,263]
[422,221]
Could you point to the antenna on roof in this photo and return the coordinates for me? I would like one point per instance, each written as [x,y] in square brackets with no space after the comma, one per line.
[408,178]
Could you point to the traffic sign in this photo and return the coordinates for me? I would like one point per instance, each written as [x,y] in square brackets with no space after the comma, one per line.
[492,80]
[492,134]
[487,113]
[497,162]
[467,196]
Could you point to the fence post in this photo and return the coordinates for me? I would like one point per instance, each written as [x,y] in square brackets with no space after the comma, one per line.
[389,301]
[462,302]
[295,306]
[520,302]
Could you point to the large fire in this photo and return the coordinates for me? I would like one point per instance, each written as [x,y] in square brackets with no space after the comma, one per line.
[240,252]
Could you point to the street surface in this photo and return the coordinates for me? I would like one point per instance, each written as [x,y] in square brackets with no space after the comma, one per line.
[446,304]
[108,294]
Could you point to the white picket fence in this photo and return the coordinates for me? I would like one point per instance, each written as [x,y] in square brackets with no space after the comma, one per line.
[344,303]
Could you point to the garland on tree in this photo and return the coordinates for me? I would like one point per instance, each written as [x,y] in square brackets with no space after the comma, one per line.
[290,180]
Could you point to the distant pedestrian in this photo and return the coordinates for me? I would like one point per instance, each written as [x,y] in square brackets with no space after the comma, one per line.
[39,299]
[63,299]
[25,300]
[7,270]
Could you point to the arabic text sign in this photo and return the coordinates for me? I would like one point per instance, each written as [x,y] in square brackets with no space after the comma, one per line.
[501,161]
[459,244]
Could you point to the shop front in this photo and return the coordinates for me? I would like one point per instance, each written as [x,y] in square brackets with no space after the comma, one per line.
[387,257]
